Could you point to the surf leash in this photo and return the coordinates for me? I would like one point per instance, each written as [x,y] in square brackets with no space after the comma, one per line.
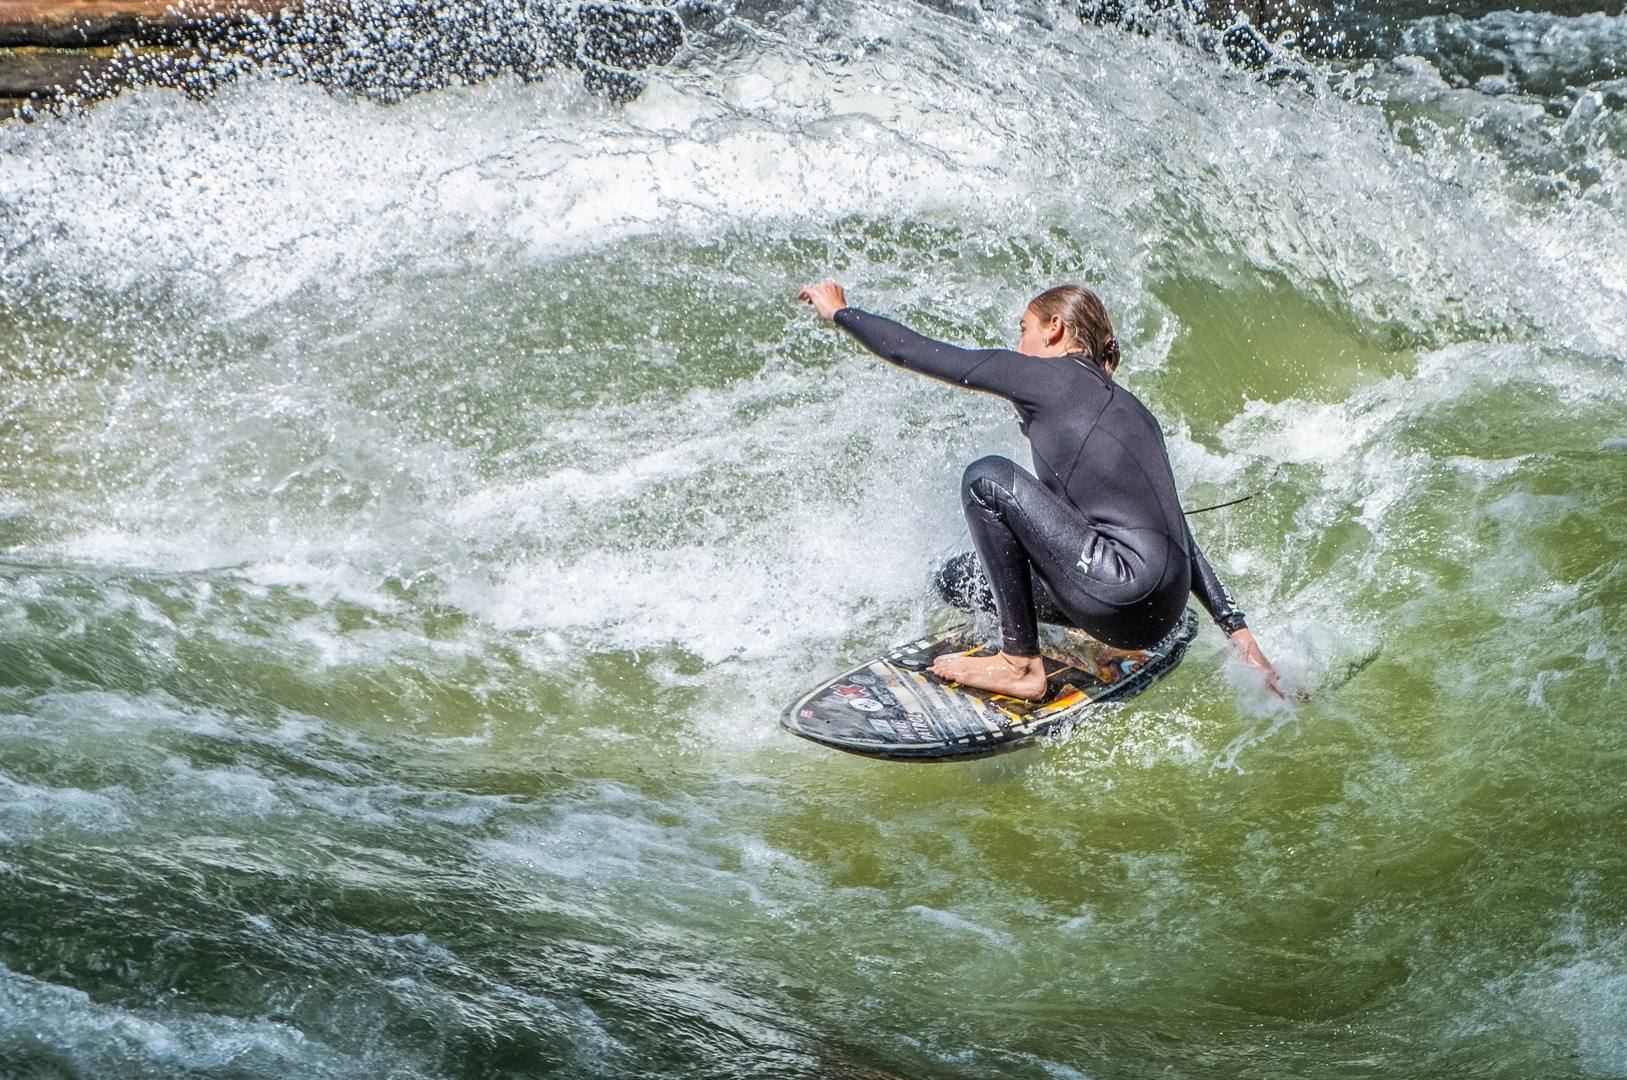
[1220,506]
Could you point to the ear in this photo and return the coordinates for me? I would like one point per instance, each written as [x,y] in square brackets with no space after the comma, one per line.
[1055,331]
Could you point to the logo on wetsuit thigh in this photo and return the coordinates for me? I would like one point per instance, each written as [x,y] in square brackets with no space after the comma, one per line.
[1084,560]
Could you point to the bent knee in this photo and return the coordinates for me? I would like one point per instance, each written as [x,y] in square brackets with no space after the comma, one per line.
[993,470]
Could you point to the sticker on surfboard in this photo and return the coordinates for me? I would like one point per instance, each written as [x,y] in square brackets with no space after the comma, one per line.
[894,706]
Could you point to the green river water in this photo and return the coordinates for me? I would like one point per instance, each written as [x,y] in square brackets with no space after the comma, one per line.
[416,516]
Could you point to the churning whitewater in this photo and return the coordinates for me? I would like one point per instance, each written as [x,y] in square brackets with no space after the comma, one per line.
[416,515]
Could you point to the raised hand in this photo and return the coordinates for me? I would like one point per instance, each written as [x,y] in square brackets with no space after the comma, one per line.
[827,299]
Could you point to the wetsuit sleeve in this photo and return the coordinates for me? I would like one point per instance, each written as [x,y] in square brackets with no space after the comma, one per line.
[1211,593]
[898,344]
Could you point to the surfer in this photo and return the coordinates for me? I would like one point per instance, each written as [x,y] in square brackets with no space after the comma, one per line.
[1097,537]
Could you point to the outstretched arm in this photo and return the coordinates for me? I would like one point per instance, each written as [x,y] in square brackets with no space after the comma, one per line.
[1223,609]
[898,344]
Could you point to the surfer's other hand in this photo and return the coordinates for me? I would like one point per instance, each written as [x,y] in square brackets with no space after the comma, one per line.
[827,299]
[1243,640]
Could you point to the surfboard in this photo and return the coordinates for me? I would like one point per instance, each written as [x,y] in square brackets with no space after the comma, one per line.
[894,707]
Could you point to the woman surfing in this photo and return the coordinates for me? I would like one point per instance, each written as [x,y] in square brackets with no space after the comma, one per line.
[1094,537]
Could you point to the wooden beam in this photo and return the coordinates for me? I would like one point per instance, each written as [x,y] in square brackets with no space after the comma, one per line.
[43,73]
[68,24]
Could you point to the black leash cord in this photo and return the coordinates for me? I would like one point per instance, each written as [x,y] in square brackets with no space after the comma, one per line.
[1268,482]
[1218,506]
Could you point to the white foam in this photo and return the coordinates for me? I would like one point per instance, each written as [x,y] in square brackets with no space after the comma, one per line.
[959,924]
[40,1020]
[776,489]
[1573,999]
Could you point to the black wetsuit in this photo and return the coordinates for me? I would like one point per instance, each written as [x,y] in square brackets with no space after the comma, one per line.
[1100,528]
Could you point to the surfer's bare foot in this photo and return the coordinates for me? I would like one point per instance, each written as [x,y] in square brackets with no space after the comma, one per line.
[1017,676]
